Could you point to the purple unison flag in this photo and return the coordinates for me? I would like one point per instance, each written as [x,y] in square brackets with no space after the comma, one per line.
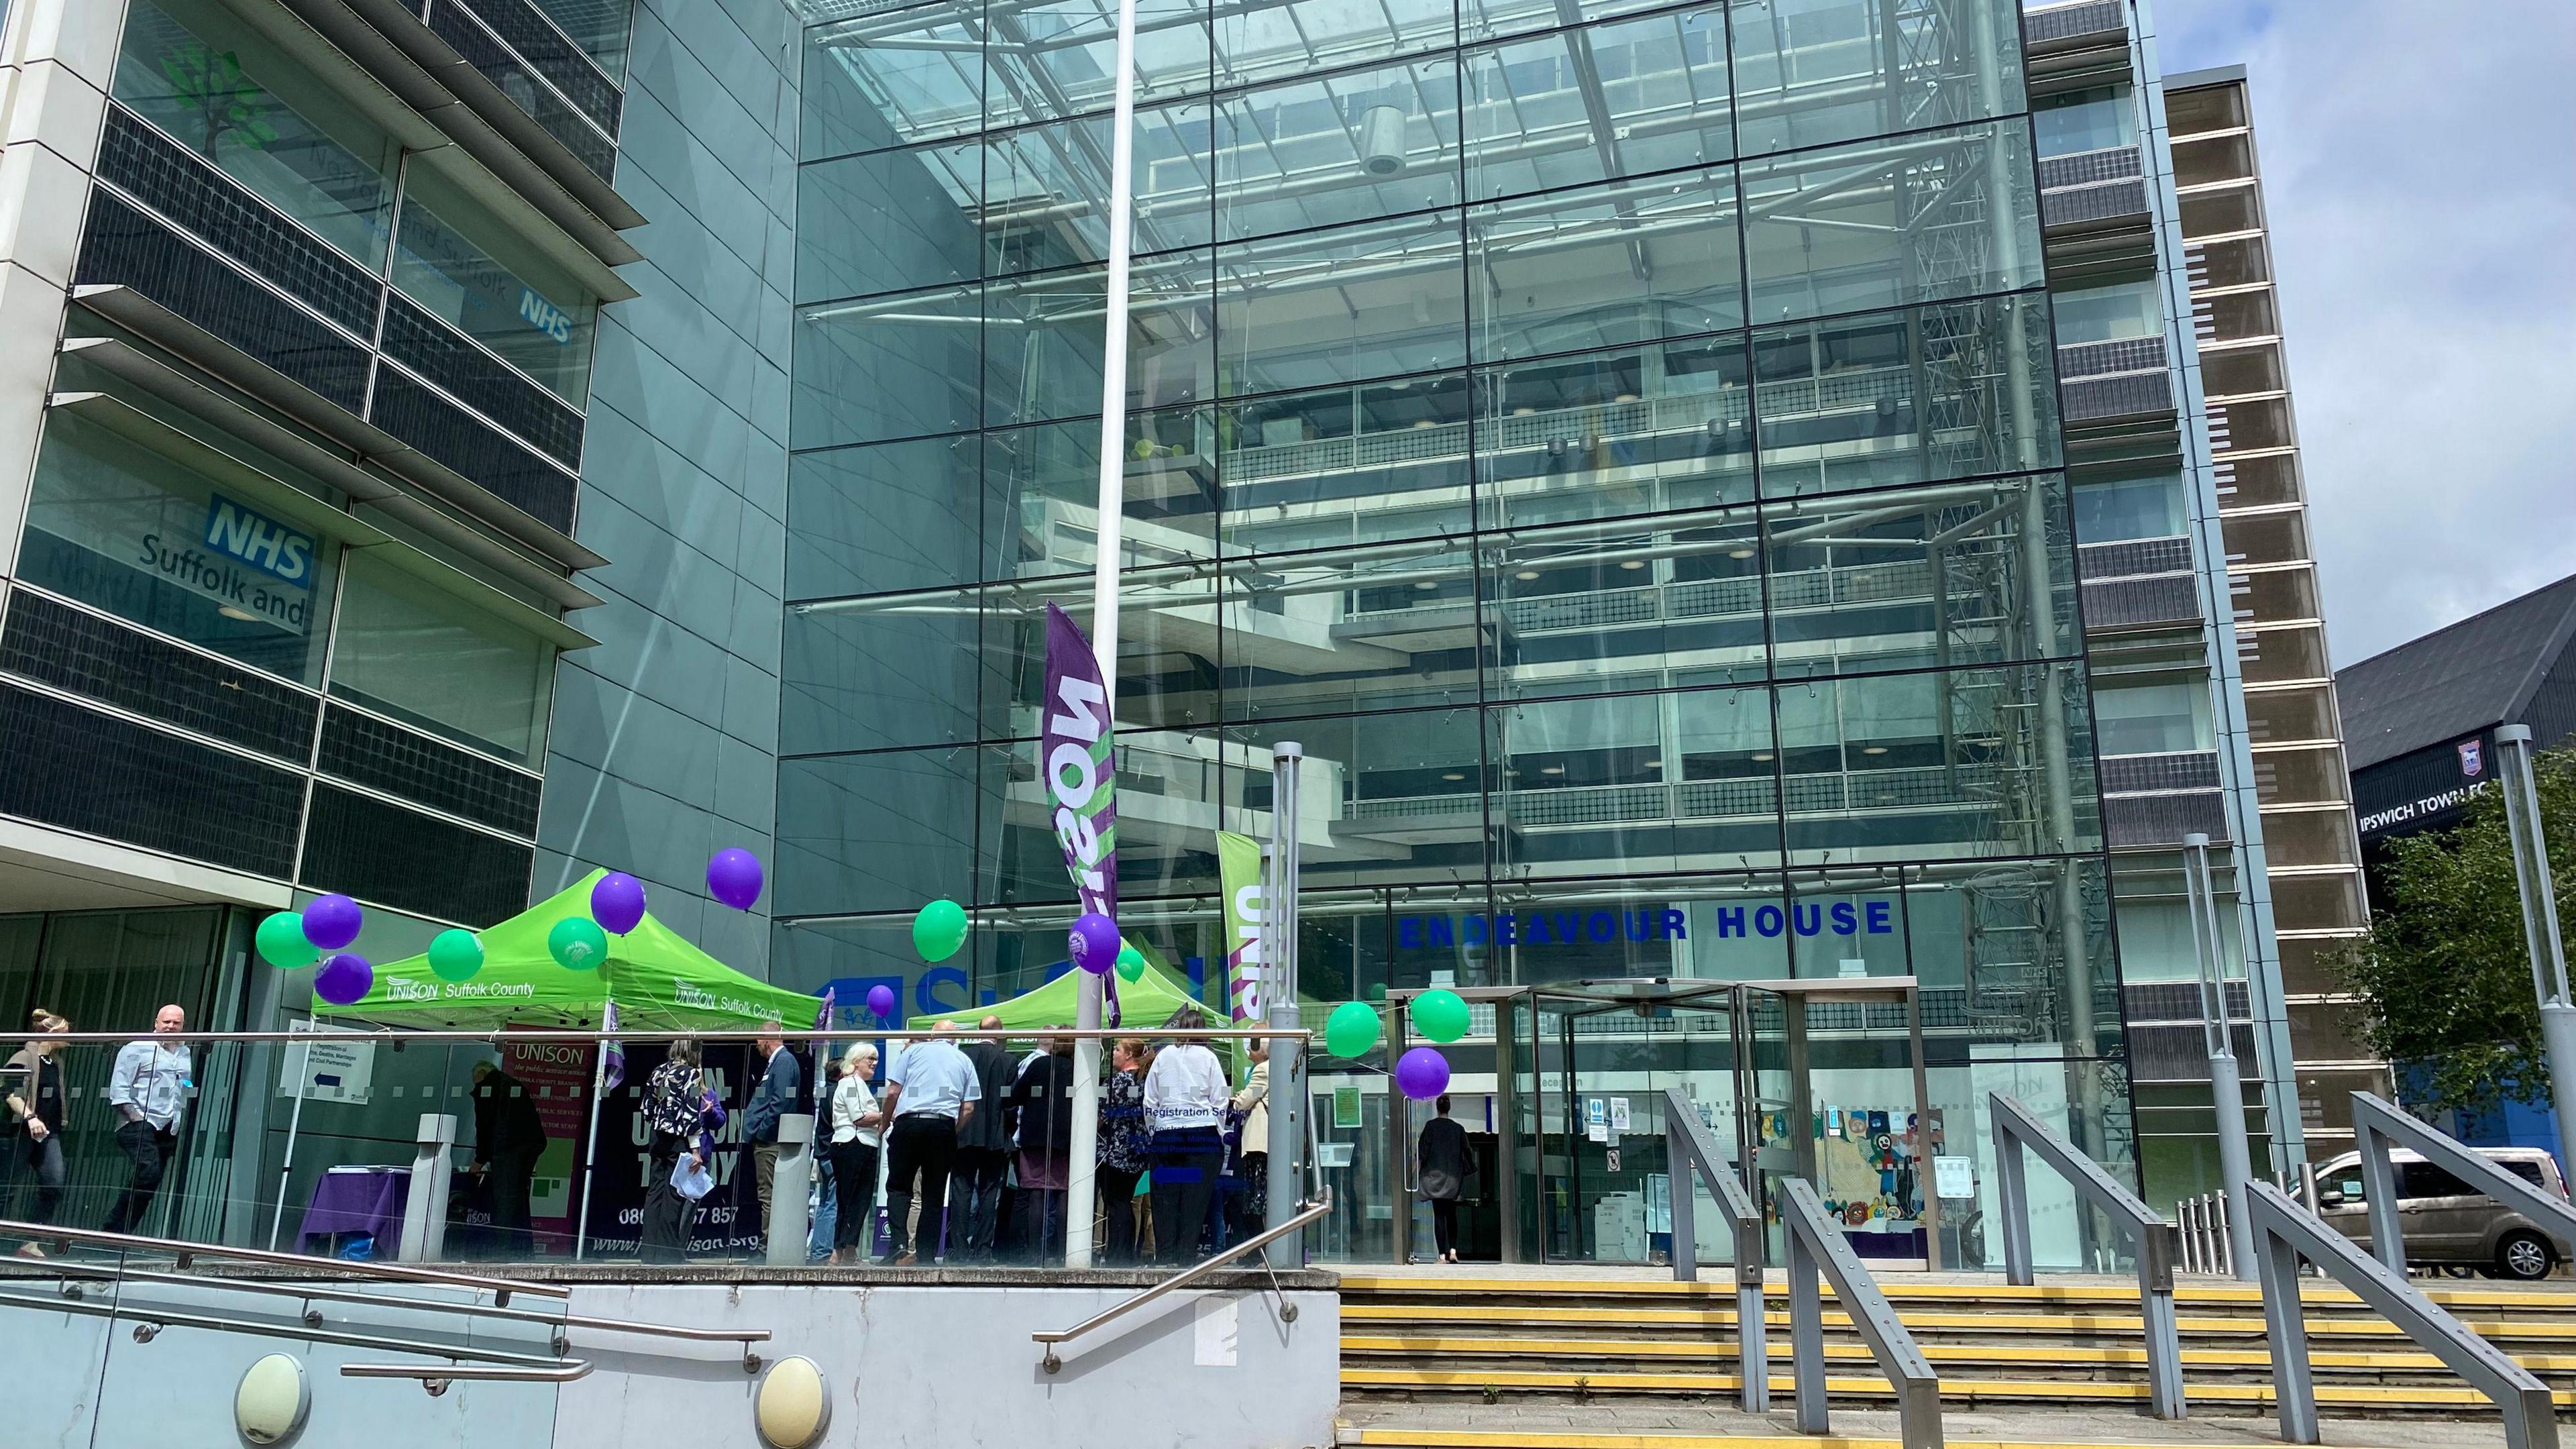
[823,1023]
[1080,766]
[612,1052]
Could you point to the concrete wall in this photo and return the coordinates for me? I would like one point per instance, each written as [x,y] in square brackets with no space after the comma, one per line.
[665,739]
[954,1366]
[942,1366]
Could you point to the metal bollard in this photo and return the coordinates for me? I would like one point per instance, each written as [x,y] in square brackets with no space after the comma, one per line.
[790,1191]
[424,1230]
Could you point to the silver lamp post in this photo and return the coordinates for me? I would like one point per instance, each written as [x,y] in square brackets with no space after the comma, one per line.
[2532,879]
[1082,1188]
[2226,1079]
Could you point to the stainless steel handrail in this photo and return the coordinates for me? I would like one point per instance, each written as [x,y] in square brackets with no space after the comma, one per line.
[1816,1246]
[148,1323]
[1688,1143]
[500,1288]
[285,1289]
[1311,1213]
[2285,1233]
[435,1379]
[2015,1128]
[2377,1123]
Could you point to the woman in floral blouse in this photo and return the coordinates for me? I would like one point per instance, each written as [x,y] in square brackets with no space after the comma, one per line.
[1123,1139]
[674,1107]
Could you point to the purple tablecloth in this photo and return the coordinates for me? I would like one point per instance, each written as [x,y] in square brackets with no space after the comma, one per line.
[358,1200]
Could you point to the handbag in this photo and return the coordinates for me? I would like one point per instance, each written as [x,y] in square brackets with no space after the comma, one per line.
[691,1182]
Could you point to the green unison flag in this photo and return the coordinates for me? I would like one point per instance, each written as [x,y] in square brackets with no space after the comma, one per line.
[1238,866]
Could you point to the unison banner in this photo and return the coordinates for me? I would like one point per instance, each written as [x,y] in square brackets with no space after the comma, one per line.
[1081,765]
[1238,871]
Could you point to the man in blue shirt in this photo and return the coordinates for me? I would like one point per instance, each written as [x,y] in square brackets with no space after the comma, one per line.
[149,1089]
[781,1082]
[931,1090]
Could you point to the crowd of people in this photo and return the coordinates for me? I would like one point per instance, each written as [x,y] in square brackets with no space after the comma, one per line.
[960,1152]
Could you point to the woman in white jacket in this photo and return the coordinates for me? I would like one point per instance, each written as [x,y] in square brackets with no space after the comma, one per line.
[1185,1098]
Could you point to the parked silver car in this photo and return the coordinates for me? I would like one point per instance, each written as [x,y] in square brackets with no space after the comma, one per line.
[2448,1223]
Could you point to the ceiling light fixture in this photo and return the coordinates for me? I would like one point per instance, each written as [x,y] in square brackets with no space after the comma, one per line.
[1526,575]
[229,612]
[1452,775]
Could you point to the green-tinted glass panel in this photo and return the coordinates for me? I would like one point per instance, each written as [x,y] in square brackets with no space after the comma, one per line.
[1610,100]
[1631,261]
[193,68]
[1811,72]
[429,658]
[466,266]
[122,528]
[1608,434]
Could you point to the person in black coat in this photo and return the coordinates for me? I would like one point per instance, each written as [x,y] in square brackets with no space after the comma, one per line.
[1445,1164]
[509,1137]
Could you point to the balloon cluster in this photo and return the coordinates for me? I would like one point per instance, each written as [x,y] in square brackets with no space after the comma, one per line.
[1438,1015]
[292,940]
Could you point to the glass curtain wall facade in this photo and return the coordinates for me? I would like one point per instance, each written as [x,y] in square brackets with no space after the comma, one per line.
[1620,442]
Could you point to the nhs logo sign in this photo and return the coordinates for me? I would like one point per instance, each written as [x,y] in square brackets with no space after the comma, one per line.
[261,542]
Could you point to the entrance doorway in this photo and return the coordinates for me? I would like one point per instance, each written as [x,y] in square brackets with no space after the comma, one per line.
[1821,1079]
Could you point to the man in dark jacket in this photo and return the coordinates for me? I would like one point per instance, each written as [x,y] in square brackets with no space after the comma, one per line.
[509,1137]
[781,1084]
[1041,1102]
[983,1144]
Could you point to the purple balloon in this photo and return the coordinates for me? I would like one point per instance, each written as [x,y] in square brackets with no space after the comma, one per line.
[1423,1074]
[733,877]
[1093,942]
[881,1002]
[345,979]
[617,902]
[333,922]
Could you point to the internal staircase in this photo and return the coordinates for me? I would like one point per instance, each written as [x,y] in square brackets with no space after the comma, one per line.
[1480,1344]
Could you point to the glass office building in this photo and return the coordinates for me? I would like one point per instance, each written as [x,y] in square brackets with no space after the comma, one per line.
[1621,443]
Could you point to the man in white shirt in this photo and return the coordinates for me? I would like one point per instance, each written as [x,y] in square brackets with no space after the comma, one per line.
[149,1089]
[930,1090]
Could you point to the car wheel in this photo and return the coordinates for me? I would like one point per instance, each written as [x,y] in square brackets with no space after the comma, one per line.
[2524,1255]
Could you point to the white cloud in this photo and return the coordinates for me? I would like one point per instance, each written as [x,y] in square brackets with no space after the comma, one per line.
[2421,186]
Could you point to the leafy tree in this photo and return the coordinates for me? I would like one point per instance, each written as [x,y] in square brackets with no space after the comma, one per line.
[225,101]
[2443,979]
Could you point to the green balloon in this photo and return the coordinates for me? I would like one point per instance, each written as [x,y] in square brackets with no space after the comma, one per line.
[1352,1030]
[1130,963]
[939,930]
[282,943]
[577,944]
[1440,1015]
[454,955]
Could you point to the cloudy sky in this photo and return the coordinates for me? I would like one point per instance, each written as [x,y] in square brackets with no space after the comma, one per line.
[2419,166]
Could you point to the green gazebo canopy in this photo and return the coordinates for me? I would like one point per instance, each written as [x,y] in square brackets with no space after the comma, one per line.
[660,982]
[1148,1001]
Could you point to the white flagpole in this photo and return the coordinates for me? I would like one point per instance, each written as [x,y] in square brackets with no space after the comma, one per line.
[1082,1188]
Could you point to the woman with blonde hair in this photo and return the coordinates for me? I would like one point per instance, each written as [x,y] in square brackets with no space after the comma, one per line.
[858,1128]
[33,1080]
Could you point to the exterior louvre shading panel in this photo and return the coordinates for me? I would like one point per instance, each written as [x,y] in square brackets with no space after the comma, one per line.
[2117,604]
[2133,821]
[2104,359]
[106,661]
[209,204]
[2064,23]
[2082,168]
[472,447]
[379,852]
[546,51]
[2092,205]
[466,31]
[2134,557]
[123,247]
[413,338]
[2110,399]
[2138,774]
[81,770]
[2180,1053]
[368,751]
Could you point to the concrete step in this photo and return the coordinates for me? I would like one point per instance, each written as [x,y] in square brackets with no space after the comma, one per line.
[1522,1424]
[1362,1382]
[2535,1332]
[2053,1361]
